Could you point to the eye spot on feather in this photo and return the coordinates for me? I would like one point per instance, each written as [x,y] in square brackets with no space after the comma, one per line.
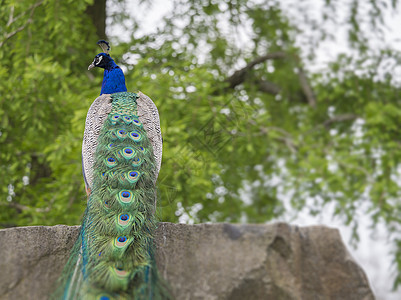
[136,161]
[133,176]
[125,196]
[121,133]
[110,162]
[136,122]
[120,272]
[135,136]
[113,135]
[104,298]
[123,220]
[114,119]
[128,152]
[121,241]
[127,119]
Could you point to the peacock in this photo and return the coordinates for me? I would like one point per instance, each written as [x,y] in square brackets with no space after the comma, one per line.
[113,257]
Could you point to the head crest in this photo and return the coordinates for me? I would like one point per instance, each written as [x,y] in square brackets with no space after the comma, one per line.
[104,45]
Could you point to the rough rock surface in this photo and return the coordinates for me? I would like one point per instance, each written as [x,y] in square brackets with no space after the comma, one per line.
[206,261]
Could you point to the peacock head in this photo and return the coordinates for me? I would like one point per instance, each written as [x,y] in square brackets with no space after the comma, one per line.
[102,60]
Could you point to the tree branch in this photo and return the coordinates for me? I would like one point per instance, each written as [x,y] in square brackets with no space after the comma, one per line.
[11,17]
[268,87]
[340,118]
[306,88]
[21,207]
[22,27]
[239,76]
[286,138]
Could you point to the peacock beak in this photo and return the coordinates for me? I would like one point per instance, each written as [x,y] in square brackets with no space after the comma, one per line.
[91,66]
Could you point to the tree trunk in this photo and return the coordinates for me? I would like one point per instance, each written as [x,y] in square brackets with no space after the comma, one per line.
[97,12]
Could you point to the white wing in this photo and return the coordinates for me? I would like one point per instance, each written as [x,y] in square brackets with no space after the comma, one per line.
[97,114]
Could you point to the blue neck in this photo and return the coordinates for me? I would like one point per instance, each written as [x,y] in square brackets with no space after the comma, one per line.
[113,79]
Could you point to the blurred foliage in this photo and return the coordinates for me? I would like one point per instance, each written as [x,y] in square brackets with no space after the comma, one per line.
[236,144]
[45,93]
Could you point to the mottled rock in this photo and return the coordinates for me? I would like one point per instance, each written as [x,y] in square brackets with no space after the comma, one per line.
[206,261]
[31,258]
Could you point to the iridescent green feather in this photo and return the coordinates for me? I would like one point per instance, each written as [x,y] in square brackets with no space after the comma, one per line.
[113,257]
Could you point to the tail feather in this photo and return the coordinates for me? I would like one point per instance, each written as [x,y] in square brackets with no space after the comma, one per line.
[114,255]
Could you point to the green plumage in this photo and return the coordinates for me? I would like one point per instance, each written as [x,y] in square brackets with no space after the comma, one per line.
[113,256]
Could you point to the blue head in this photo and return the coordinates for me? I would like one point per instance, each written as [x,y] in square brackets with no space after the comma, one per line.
[103,60]
[113,77]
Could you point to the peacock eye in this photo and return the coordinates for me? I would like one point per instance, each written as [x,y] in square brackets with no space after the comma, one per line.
[98,59]
[122,239]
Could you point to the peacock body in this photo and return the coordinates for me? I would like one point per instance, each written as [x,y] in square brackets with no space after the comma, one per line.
[121,156]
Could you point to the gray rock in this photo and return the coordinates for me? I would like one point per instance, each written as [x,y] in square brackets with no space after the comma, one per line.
[206,261]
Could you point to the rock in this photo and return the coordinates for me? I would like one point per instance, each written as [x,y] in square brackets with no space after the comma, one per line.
[205,261]
[31,258]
